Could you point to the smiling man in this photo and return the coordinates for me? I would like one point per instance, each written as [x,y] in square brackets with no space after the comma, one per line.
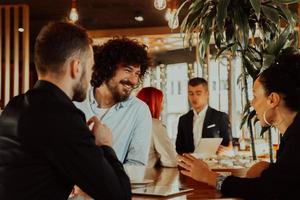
[120,65]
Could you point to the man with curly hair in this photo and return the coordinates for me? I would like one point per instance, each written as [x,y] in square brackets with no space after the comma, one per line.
[120,65]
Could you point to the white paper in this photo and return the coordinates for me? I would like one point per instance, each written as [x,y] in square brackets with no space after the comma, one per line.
[207,147]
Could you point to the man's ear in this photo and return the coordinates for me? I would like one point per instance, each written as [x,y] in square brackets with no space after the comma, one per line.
[75,69]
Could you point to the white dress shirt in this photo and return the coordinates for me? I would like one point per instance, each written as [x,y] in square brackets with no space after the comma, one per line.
[198,121]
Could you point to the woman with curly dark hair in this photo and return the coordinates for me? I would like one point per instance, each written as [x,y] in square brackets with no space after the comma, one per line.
[120,65]
[276,100]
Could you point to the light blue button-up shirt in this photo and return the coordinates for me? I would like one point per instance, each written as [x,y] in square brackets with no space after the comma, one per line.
[130,123]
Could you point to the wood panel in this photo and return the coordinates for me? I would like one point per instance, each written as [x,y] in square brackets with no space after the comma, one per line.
[1,99]
[7,50]
[25,63]
[16,52]
[11,56]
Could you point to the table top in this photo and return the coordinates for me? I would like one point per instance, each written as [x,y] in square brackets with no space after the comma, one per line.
[172,177]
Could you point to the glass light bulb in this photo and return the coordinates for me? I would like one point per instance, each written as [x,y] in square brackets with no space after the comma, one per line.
[160,4]
[73,15]
[168,14]
[173,22]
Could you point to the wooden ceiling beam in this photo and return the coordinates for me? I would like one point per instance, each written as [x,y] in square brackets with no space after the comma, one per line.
[132,31]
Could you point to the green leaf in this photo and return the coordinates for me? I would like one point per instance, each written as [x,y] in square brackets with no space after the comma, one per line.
[271,13]
[218,39]
[221,14]
[287,1]
[247,107]
[250,117]
[182,5]
[256,61]
[251,69]
[286,13]
[256,6]
[268,60]
[243,121]
[252,25]
[275,46]
[263,130]
[222,49]
[242,27]
[229,31]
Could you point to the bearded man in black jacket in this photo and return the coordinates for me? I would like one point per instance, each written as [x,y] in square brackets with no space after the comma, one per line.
[45,145]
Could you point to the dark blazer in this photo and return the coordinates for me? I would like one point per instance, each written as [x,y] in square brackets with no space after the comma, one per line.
[46,148]
[280,180]
[216,124]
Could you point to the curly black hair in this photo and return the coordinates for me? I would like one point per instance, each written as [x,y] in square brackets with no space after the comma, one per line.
[116,51]
[283,76]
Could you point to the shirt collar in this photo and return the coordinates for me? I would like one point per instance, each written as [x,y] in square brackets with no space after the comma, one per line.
[117,106]
[201,113]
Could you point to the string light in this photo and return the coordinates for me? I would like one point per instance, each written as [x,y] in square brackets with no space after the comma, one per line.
[73,13]
[173,22]
[168,14]
[160,4]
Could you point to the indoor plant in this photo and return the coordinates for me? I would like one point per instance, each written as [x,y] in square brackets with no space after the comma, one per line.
[255,30]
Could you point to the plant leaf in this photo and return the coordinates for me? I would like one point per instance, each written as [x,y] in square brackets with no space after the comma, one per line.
[250,117]
[287,14]
[222,49]
[242,27]
[250,67]
[268,60]
[263,130]
[229,31]
[287,1]
[221,14]
[271,13]
[256,6]
[275,46]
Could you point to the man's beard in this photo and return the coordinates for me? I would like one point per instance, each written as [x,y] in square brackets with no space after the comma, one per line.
[117,95]
[80,89]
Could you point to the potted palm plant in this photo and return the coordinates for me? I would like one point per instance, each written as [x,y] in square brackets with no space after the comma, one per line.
[255,30]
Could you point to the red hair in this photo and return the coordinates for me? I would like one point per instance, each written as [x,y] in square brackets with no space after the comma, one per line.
[153,98]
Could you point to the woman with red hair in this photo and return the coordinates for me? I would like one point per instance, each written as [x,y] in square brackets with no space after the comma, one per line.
[161,148]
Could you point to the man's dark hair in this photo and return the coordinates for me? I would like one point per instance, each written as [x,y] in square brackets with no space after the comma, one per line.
[57,42]
[118,51]
[198,81]
[283,77]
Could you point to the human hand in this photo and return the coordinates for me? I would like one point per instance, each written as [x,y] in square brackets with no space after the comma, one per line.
[101,132]
[257,169]
[225,150]
[77,192]
[196,169]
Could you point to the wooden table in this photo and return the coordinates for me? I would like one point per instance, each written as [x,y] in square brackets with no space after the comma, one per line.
[171,176]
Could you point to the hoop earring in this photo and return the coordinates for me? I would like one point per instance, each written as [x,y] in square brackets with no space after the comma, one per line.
[265,119]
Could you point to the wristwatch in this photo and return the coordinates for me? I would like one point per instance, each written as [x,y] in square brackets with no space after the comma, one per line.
[219,182]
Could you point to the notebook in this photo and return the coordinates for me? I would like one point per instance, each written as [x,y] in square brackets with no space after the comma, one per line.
[162,191]
[207,147]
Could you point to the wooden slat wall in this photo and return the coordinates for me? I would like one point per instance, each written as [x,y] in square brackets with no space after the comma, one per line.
[7,50]
[25,63]
[0,57]
[11,56]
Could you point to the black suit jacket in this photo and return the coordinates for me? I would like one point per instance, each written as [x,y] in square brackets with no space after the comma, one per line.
[46,148]
[280,180]
[216,124]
